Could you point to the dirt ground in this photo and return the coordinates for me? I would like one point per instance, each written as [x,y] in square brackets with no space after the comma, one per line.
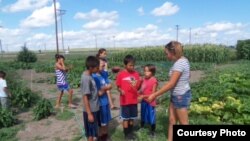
[51,129]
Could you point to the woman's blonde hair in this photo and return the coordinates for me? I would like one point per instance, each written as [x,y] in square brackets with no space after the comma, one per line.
[175,48]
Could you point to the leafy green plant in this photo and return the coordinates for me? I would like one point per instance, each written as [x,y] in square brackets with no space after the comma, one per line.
[26,56]
[223,95]
[6,118]
[43,109]
[22,97]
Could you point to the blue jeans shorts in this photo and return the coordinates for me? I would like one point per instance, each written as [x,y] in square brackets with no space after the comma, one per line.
[182,101]
[65,87]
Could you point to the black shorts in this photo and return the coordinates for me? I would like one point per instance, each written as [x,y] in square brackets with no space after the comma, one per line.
[129,112]
[91,128]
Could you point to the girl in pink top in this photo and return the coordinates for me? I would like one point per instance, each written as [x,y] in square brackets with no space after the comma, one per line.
[149,86]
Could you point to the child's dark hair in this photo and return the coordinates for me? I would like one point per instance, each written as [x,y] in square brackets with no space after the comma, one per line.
[92,62]
[128,59]
[100,51]
[2,74]
[58,56]
[151,68]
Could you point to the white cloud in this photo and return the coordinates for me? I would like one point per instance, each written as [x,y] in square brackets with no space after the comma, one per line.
[148,35]
[213,35]
[40,18]
[12,38]
[223,26]
[98,20]
[128,36]
[23,5]
[95,14]
[232,32]
[166,9]
[100,24]
[140,10]
[41,36]
[219,32]
[149,27]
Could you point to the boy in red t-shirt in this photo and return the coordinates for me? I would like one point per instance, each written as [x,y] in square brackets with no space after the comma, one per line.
[128,82]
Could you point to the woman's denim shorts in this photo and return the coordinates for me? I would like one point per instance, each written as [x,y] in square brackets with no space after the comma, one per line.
[182,101]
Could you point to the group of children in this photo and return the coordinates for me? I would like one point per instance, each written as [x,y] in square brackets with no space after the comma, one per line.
[95,88]
[133,88]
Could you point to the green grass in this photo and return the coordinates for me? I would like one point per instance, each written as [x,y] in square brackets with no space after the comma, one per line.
[59,139]
[65,115]
[37,138]
[144,134]
[78,138]
[9,134]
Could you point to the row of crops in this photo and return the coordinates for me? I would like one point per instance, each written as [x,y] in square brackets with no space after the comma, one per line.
[202,57]
[223,96]
[195,53]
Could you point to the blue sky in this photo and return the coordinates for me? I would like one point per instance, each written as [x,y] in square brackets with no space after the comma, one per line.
[122,23]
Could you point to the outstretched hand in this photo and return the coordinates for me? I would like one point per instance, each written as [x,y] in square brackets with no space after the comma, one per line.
[151,98]
[141,97]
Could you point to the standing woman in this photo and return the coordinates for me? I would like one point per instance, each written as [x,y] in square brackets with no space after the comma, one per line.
[178,85]
[61,81]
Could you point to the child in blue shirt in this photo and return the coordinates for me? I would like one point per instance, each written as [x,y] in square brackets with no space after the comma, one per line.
[103,85]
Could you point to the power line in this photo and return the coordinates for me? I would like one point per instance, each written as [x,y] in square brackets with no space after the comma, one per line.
[61,13]
[190,35]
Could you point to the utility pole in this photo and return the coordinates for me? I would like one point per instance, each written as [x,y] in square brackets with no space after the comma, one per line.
[177,31]
[7,48]
[1,48]
[114,41]
[190,36]
[61,13]
[95,42]
[57,47]
[1,44]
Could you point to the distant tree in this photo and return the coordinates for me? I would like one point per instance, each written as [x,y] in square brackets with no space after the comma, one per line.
[243,49]
[26,56]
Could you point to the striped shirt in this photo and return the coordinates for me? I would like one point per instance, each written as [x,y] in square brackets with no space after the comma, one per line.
[60,77]
[182,85]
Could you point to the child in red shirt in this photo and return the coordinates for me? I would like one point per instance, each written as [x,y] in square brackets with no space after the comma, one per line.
[128,82]
[149,86]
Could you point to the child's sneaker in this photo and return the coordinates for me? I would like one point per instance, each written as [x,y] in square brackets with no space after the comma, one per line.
[152,135]
[130,137]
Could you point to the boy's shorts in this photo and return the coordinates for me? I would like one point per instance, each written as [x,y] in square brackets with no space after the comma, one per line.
[182,101]
[91,128]
[105,115]
[63,87]
[148,114]
[129,112]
